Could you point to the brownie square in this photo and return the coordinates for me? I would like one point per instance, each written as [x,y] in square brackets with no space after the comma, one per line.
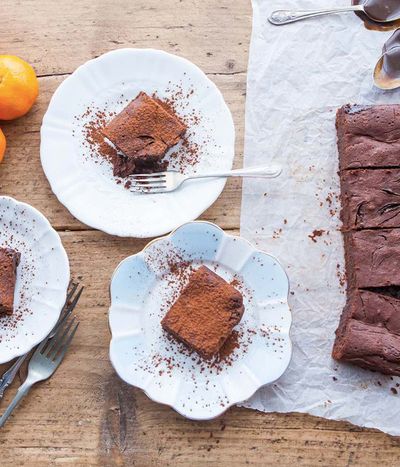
[368,136]
[9,261]
[145,129]
[370,198]
[205,313]
[369,346]
[372,258]
[369,332]
[371,308]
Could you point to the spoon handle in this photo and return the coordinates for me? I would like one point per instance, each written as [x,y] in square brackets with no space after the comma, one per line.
[280,17]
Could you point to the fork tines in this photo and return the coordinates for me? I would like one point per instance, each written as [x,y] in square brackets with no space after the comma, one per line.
[146,179]
[70,304]
[55,348]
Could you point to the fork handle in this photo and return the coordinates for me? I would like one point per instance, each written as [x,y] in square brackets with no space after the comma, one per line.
[280,17]
[21,393]
[10,374]
[255,172]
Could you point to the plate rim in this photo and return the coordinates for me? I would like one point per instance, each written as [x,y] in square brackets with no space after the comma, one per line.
[68,270]
[233,402]
[113,230]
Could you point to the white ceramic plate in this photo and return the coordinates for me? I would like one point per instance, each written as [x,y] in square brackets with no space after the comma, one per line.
[144,284]
[87,187]
[42,277]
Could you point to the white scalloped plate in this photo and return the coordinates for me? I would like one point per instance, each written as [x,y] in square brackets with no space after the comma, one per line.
[143,356]
[87,187]
[42,277]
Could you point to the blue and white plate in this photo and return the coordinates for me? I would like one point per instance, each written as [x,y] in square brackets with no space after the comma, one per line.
[146,284]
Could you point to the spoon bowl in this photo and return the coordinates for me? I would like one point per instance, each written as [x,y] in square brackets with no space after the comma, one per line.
[387,70]
[382,80]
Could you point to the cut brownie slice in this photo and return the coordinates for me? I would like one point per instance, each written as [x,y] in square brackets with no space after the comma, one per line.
[372,258]
[144,130]
[372,308]
[370,347]
[370,198]
[9,261]
[368,136]
[369,332]
[205,313]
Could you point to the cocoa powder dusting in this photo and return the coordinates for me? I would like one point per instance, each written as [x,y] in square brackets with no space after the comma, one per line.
[184,155]
[316,234]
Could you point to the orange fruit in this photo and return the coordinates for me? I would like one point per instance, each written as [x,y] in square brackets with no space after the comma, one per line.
[19,87]
[2,145]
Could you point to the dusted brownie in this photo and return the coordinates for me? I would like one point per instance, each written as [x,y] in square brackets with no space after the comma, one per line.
[370,198]
[369,332]
[372,258]
[368,136]
[144,130]
[9,261]
[205,313]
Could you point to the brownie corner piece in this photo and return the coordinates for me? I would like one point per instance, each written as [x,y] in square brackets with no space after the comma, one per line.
[205,313]
[9,261]
[369,332]
[368,136]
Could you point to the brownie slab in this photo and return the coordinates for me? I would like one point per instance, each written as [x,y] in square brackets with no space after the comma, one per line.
[205,313]
[369,332]
[370,198]
[145,129]
[372,258]
[9,261]
[368,136]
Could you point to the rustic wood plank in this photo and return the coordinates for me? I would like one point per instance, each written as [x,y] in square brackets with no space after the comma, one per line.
[56,39]
[85,415]
[22,177]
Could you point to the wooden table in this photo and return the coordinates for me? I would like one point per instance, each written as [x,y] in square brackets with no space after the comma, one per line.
[85,415]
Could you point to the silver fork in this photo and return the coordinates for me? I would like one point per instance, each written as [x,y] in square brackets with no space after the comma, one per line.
[163,182]
[45,361]
[70,304]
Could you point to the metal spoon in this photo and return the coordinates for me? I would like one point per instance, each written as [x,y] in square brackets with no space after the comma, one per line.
[280,17]
[387,70]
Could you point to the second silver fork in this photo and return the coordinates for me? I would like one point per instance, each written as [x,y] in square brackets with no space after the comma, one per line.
[70,304]
[45,361]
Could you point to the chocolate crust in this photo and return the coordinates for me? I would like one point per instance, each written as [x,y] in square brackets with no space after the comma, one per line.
[9,261]
[370,198]
[205,313]
[372,258]
[371,347]
[368,136]
[144,130]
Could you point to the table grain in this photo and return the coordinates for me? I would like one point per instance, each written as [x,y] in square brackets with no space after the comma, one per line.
[85,415]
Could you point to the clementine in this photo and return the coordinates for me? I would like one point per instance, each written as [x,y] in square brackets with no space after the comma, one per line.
[2,145]
[19,87]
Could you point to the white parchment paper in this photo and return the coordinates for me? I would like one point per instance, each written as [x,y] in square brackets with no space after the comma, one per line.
[298,76]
